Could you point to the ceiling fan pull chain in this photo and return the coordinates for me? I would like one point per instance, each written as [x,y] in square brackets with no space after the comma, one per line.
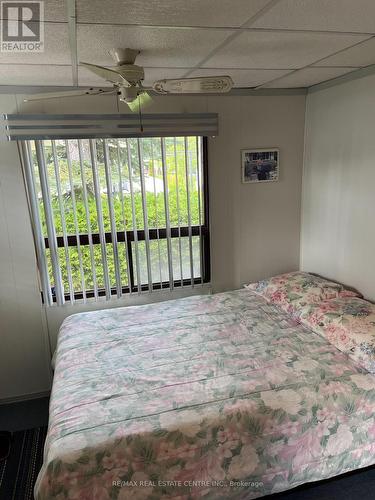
[140,114]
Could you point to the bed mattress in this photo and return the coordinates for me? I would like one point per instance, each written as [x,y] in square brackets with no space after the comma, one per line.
[216,397]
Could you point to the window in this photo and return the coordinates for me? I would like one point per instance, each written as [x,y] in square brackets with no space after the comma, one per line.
[116,216]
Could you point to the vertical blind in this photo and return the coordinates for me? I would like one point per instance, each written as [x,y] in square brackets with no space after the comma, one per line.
[119,215]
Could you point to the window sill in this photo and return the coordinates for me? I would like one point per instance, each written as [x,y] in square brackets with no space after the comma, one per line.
[133,299]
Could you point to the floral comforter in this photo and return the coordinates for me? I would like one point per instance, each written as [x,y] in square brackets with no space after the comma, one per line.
[213,397]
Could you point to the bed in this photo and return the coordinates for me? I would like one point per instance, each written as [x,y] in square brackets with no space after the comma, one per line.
[222,396]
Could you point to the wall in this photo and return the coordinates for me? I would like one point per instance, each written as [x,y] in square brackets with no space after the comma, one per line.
[24,359]
[254,228]
[338,230]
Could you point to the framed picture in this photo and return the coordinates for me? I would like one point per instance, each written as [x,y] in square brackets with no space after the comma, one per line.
[260,165]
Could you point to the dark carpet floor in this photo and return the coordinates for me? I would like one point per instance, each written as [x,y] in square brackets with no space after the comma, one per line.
[24,415]
[18,472]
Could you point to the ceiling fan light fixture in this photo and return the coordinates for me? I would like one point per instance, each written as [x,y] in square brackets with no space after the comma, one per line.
[128,94]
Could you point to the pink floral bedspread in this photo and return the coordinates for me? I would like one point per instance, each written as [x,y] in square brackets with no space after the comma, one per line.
[220,396]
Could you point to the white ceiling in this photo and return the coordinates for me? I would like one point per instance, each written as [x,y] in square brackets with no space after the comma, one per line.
[260,43]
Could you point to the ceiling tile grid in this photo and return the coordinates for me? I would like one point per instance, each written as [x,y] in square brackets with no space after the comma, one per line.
[359,56]
[213,13]
[307,77]
[272,49]
[321,15]
[159,46]
[259,43]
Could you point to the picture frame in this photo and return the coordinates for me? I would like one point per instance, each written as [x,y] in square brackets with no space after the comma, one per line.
[260,165]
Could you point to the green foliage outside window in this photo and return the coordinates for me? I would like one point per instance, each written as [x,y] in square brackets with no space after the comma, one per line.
[76,185]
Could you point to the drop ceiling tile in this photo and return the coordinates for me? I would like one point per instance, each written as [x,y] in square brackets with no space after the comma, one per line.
[307,77]
[279,50]
[331,15]
[56,48]
[169,12]
[159,46]
[85,77]
[20,74]
[358,56]
[243,77]
[54,11]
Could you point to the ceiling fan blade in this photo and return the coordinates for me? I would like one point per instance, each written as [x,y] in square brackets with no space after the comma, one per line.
[200,85]
[111,75]
[144,100]
[69,93]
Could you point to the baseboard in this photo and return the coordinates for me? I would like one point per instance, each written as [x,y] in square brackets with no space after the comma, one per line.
[25,397]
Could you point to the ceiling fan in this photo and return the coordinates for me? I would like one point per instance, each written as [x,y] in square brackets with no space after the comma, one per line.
[126,79]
